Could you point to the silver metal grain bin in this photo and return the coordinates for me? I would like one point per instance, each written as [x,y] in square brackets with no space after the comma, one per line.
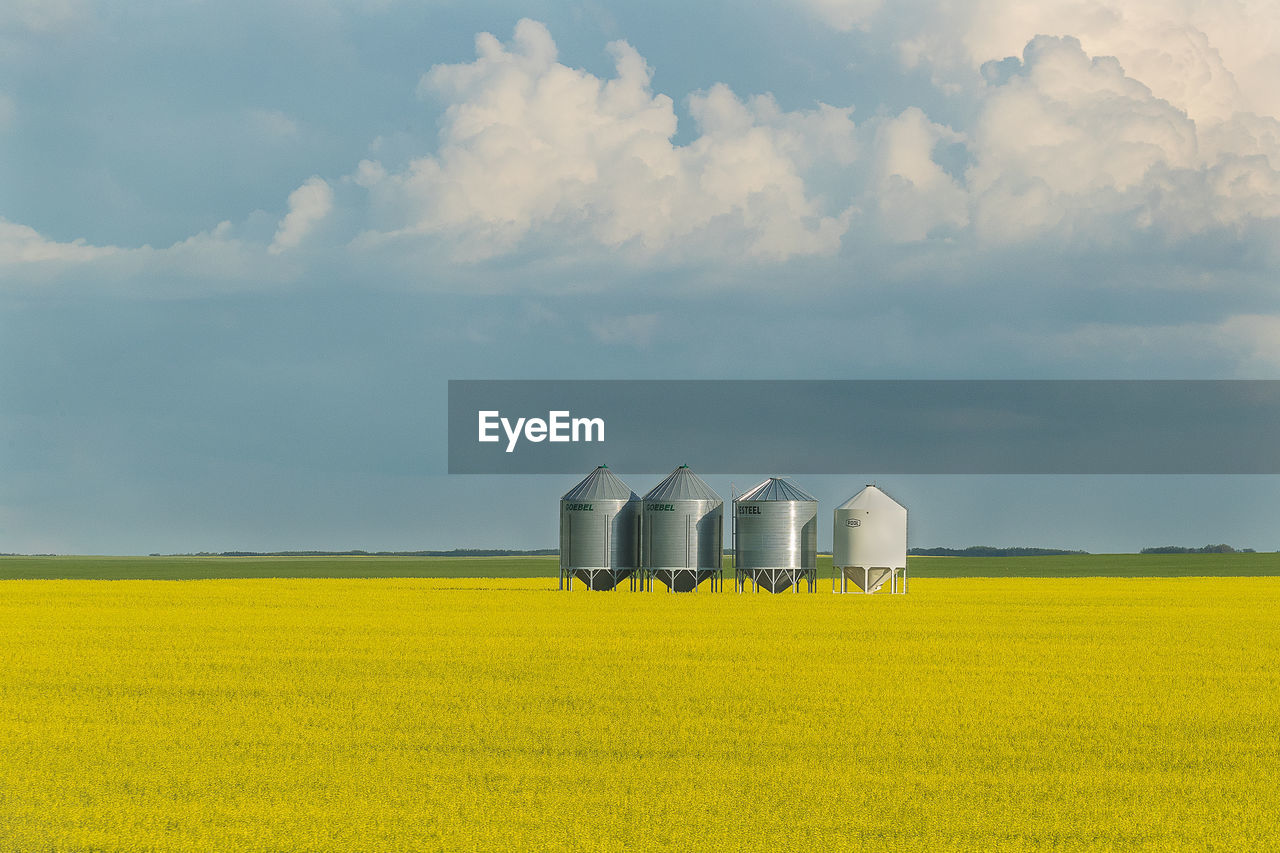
[682,532]
[775,536]
[869,542]
[599,531]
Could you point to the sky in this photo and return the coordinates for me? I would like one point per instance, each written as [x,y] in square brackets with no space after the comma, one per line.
[244,246]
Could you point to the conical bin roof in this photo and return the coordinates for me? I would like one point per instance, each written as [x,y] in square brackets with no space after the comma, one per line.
[600,485]
[870,498]
[777,489]
[682,485]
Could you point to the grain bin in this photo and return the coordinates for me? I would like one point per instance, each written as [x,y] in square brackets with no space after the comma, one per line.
[775,536]
[682,532]
[869,542]
[599,531]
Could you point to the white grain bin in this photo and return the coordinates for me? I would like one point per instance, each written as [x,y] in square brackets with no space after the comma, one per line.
[869,541]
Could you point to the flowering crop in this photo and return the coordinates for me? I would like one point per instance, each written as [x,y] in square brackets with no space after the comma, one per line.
[1091,714]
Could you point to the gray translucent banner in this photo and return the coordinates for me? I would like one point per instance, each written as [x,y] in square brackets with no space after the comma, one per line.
[866,426]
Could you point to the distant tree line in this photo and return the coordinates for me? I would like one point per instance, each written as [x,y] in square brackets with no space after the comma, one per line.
[1207,549]
[988,551]
[456,552]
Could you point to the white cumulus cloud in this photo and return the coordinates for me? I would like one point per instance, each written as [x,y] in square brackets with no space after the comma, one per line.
[309,204]
[214,260]
[915,194]
[566,181]
[533,149]
[22,244]
[1207,57]
[1065,140]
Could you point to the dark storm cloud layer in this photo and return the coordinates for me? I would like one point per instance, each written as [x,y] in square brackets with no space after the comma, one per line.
[847,427]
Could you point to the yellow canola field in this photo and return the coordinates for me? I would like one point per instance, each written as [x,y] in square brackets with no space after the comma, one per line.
[385,715]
